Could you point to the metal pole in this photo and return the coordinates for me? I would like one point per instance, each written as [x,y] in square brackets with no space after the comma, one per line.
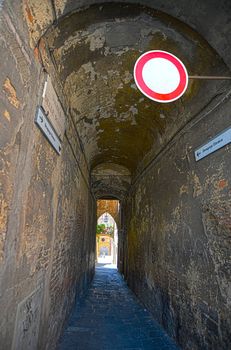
[208,77]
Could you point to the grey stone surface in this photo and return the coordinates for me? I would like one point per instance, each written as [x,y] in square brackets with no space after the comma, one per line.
[110,317]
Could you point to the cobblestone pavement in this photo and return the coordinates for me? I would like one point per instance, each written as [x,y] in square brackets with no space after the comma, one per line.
[110,317]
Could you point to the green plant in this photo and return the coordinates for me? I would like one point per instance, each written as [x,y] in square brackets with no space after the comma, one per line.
[103,229]
[100,229]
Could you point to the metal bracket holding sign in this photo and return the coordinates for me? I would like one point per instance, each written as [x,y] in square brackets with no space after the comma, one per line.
[47,129]
[162,77]
[219,141]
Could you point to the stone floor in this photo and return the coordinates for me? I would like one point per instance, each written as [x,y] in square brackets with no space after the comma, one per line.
[110,317]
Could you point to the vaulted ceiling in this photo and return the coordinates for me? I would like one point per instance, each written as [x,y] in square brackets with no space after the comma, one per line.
[93,49]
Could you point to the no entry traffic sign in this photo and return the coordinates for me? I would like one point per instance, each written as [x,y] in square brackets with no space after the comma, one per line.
[160,76]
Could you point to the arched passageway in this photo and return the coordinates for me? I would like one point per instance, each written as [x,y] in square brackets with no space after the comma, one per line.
[107,232]
[75,60]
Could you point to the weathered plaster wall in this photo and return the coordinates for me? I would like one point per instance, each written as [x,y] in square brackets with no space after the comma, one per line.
[47,213]
[178,235]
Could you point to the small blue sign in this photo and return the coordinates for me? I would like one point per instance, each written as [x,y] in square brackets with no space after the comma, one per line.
[47,129]
[221,140]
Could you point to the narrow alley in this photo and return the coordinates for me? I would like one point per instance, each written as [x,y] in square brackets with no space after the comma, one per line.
[109,317]
[115,144]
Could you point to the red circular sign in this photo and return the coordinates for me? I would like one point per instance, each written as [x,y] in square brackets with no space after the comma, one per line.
[160,76]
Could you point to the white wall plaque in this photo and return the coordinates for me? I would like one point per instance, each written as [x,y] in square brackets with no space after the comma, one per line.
[27,321]
[53,108]
[222,139]
[45,126]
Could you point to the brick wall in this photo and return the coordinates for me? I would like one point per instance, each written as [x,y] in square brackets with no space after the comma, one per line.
[178,236]
[47,212]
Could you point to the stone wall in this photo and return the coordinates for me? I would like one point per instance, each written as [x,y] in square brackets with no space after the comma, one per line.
[47,212]
[178,235]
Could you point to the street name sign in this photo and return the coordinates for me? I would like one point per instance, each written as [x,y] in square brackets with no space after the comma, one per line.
[47,129]
[219,141]
[53,108]
[160,76]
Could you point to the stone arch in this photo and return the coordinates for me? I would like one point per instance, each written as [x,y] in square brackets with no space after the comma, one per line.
[111,207]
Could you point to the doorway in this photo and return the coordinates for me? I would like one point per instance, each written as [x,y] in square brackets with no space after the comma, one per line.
[107,232]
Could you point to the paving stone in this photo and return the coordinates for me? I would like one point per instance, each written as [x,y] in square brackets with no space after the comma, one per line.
[109,317]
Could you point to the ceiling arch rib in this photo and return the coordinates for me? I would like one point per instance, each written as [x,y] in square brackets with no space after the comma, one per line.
[110,180]
[199,15]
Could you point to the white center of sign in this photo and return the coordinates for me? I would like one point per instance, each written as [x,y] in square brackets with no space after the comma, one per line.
[161,75]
